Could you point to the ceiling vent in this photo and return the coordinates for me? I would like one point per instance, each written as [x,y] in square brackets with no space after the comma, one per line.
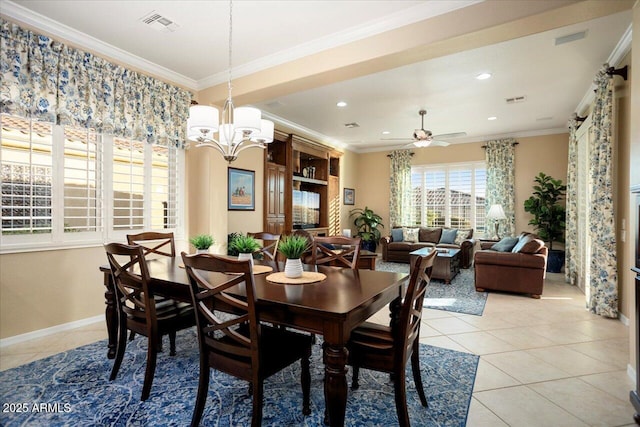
[571,37]
[351,125]
[544,119]
[159,22]
[515,100]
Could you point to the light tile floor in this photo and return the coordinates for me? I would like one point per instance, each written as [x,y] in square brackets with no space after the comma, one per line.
[544,362]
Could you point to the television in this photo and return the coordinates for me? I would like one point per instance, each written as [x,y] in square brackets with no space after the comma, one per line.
[306,209]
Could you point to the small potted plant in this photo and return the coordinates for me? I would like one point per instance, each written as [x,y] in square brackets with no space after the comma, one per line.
[367,223]
[245,246]
[292,247]
[202,243]
[548,215]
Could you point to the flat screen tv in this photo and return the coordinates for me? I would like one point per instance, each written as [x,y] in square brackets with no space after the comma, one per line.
[306,209]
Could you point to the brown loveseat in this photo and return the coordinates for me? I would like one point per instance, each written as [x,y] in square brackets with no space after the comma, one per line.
[397,250]
[522,269]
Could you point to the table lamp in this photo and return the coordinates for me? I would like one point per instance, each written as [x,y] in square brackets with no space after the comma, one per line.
[496,213]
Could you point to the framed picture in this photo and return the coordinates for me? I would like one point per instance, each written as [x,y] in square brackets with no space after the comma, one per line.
[349,196]
[241,192]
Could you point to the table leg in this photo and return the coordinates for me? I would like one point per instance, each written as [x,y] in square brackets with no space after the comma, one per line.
[111,315]
[335,384]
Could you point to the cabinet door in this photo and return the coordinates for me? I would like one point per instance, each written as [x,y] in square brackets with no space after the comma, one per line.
[272,191]
[334,206]
[281,180]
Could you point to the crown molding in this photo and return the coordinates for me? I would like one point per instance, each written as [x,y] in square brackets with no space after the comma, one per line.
[48,26]
[399,19]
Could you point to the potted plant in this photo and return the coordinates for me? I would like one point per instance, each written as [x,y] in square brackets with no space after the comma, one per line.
[548,215]
[367,223]
[292,247]
[245,246]
[202,243]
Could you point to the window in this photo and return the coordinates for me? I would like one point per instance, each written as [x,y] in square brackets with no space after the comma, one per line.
[55,183]
[451,195]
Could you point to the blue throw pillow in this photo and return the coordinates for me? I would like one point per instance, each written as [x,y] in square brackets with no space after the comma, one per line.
[396,234]
[505,245]
[448,235]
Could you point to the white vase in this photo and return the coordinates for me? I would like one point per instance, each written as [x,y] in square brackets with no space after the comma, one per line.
[202,251]
[248,256]
[293,268]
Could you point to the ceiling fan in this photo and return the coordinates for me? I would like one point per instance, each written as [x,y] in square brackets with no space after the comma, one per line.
[424,138]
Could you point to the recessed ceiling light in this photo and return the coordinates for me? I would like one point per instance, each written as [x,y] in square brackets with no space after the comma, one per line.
[385,132]
[483,76]
[492,118]
[341,104]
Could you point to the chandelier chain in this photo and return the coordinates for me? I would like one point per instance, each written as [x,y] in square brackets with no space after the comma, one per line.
[230,43]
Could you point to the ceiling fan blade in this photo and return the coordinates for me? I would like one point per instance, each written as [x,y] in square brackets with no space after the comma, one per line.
[435,143]
[396,139]
[450,135]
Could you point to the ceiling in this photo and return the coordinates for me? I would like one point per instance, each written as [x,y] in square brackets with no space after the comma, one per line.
[552,79]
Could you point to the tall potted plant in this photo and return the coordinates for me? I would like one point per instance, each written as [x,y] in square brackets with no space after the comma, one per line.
[367,223]
[548,215]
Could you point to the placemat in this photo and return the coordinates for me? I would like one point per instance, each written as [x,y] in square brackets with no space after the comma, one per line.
[257,269]
[307,277]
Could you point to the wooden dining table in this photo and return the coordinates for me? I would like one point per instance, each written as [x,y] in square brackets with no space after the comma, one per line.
[332,308]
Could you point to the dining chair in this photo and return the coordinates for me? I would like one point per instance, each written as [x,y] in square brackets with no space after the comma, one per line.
[388,348]
[269,249]
[139,311]
[239,344]
[336,250]
[154,243]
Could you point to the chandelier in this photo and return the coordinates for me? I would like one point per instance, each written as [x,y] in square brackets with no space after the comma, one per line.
[240,128]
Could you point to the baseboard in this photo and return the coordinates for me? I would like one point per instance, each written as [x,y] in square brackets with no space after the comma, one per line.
[631,372]
[40,333]
[624,319]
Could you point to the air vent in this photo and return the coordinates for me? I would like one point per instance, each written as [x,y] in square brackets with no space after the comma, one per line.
[544,119]
[571,37]
[515,100]
[351,125]
[159,22]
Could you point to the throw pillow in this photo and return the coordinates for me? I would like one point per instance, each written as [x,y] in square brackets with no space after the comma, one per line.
[505,245]
[448,235]
[410,234]
[461,236]
[396,234]
[430,235]
[528,244]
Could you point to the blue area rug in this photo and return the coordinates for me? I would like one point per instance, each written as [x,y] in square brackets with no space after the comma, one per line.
[460,296]
[72,388]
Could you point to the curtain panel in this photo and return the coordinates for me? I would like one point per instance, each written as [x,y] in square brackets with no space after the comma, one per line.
[604,276]
[500,157]
[571,218]
[46,80]
[400,213]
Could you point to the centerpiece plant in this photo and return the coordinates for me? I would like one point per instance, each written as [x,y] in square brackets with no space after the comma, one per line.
[245,246]
[292,247]
[202,242]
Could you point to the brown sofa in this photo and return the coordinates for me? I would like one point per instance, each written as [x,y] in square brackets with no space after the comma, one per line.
[521,270]
[398,251]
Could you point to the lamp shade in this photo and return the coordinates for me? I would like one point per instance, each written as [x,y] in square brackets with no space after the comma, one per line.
[203,117]
[246,119]
[265,134]
[496,212]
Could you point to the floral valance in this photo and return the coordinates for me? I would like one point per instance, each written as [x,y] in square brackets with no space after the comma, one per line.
[46,80]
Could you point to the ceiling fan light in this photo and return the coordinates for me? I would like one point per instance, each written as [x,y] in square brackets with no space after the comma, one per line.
[421,143]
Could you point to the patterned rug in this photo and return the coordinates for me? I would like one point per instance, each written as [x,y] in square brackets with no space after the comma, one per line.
[460,296]
[72,388]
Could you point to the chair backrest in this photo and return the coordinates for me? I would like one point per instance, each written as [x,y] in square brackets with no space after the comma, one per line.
[131,278]
[269,244]
[407,328]
[233,338]
[154,243]
[340,250]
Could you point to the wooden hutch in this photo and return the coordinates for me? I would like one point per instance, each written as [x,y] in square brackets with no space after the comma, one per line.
[301,186]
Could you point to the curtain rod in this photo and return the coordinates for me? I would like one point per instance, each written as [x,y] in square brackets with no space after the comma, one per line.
[512,144]
[622,72]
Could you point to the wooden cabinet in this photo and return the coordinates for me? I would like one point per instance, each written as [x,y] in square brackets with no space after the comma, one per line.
[302,186]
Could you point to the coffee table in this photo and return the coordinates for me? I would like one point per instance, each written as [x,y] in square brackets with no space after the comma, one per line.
[445,266]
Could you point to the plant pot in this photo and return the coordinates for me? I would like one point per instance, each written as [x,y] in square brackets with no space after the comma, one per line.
[202,251]
[248,256]
[293,268]
[555,261]
[368,245]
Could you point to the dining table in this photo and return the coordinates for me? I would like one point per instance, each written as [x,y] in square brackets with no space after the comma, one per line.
[332,307]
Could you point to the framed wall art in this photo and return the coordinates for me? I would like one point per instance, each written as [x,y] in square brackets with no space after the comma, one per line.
[349,196]
[241,192]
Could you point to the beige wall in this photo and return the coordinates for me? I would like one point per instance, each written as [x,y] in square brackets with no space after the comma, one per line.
[533,155]
[348,179]
[249,221]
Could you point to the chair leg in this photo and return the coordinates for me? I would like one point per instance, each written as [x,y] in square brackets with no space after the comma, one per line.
[355,384]
[256,419]
[400,389]
[417,376]
[121,345]
[203,392]
[305,380]
[132,335]
[152,353]
[172,343]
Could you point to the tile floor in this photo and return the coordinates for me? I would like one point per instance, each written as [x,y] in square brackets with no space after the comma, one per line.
[544,362]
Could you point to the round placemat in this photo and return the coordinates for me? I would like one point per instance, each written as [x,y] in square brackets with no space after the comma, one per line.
[307,277]
[259,269]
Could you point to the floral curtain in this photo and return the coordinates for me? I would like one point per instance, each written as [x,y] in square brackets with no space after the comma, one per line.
[49,81]
[571,220]
[500,155]
[400,188]
[604,276]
